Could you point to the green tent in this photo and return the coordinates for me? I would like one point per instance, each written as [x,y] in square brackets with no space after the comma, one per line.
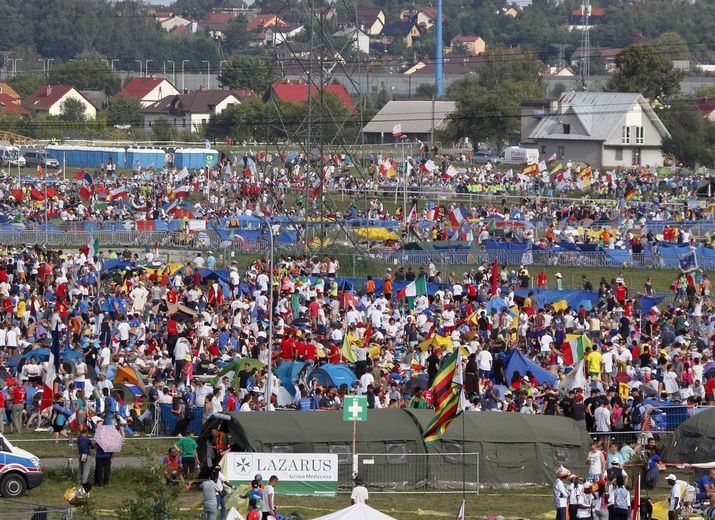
[693,441]
[515,450]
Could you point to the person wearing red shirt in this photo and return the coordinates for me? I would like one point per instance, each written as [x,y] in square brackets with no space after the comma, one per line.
[334,355]
[19,396]
[310,350]
[542,281]
[287,348]
[710,391]
[621,293]
[301,349]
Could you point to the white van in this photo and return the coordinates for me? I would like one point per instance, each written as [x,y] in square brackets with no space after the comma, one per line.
[20,470]
[10,156]
[516,155]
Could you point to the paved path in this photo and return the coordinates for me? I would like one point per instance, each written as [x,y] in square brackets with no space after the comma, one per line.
[61,462]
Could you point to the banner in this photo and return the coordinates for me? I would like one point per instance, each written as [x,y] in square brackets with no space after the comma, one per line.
[298,474]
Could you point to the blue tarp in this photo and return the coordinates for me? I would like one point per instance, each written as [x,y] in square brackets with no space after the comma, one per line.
[544,296]
[516,361]
[648,303]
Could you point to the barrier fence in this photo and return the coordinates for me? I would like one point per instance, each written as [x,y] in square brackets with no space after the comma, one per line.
[20,510]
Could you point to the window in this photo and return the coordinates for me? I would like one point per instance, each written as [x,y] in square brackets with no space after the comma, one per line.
[452,453]
[561,152]
[640,135]
[619,154]
[344,452]
[396,453]
[636,161]
[543,149]
[282,448]
[561,455]
[567,129]
[626,135]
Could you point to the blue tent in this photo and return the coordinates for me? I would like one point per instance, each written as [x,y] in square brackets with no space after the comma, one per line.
[288,373]
[515,360]
[333,374]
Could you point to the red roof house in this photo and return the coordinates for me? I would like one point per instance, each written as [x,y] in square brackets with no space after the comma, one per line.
[9,106]
[49,99]
[148,90]
[296,91]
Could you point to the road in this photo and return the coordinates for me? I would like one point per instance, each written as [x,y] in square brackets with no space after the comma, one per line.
[61,462]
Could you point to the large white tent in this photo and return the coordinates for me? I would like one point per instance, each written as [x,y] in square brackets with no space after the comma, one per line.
[356,512]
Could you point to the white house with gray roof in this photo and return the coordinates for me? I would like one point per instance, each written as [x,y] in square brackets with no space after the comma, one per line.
[599,128]
[417,119]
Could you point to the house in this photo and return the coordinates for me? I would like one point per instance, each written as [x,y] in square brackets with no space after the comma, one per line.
[474,44]
[600,128]
[359,39]
[595,18]
[371,20]
[414,117]
[264,20]
[49,98]
[8,106]
[190,111]
[216,23]
[607,53]
[423,17]
[9,91]
[706,107]
[170,21]
[296,91]
[511,10]
[148,90]
[564,72]
[97,97]
[451,65]
[276,34]
[408,31]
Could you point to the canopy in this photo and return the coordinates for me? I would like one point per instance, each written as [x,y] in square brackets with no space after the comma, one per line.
[376,234]
[356,512]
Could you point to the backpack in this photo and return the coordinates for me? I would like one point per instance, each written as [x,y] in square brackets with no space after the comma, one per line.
[190,412]
[636,415]
[620,423]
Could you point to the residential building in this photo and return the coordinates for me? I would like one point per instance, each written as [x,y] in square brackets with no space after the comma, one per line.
[473,44]
[49,98]
[8,106]
[408,31]
[9,91]
[706,107]
[600,128]
[277,34]
[296,91]
[360,40]
[148,90]
[418,120]
[608,54]
[595,18]
[423,17]
[371,20]
[262,21]
[190,112]
[170,21]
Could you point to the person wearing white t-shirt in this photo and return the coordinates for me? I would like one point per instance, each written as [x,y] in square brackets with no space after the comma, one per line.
[359,494]
[268,506]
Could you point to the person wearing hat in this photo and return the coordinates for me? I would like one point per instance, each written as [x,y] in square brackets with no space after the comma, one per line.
[561,496]
[677,487]
[584,503]
[559,282]
[359,494]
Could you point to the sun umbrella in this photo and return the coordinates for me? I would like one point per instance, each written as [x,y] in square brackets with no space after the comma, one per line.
[109,439]
[709,366]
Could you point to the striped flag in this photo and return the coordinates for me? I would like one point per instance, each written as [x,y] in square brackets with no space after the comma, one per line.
[630,192]
[574,349]
[460,515]
[451,408]
[457,215]
[415,288]
[532,169]
[449,375]
[118,193]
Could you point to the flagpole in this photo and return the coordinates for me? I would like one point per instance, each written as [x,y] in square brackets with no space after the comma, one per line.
[46,203]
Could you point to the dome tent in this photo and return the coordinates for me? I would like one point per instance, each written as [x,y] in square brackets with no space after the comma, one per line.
[693,441]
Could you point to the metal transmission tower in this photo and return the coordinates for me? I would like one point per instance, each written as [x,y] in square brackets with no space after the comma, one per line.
[322,131]
[585,42]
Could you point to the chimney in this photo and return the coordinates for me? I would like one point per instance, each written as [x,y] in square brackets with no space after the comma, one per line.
[203,88]
[153,76]
[48,90]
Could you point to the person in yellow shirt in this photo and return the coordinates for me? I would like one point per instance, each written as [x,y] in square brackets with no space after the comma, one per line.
[594,363]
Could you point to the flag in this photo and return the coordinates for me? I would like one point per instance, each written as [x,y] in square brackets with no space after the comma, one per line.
[181,192]
[183,174]
[460,515]
[451,171]
[447,397]
[446,380]
[630,192]
[347,352]
[560,305]
[688,262]
[36,194]
[429,166]
[457,215]
[118,193]
[412,215]
[92,247]
[635,513]
[397,130]
[416,287]
[557,168]
[585,177]
[542,166]
[495,278]
[386,168]
[553,157]
[53,367]
[532,169]
[451,409]
[86,192]
[574,349]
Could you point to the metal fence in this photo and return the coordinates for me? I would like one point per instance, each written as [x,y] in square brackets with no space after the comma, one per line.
[448,472]
[20,510]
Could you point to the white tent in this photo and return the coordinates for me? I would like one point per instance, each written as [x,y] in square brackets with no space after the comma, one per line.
[356,512]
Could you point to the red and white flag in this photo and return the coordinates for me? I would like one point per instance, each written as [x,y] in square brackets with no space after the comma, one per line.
[181,192]
[635,514]
[397,130]
[553,157]
[118,193]
[460,515]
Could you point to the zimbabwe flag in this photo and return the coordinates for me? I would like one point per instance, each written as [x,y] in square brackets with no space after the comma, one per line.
[451,408]
[444,381]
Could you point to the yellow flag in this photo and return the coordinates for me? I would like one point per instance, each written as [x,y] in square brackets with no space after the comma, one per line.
[347,352]
[438,341]
[623,390]
[557,168]
[560,305]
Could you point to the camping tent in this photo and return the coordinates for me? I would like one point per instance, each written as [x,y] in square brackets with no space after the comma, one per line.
[693,441]
[131,375]
[515,450]
[515,360]
[356,512]
[335,374]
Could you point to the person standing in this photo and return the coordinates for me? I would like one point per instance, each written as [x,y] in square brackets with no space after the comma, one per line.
[360,494]
[560,494]
[253,512]
[189,454]
[19,396]
[211,489]
[269,507]
[676,492]
[84,446]
[621,500]
[102,466]
[596,464]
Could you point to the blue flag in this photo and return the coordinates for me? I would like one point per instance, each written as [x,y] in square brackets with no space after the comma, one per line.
[688,262]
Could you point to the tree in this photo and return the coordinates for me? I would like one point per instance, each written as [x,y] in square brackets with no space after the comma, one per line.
[125,111]
[163,130]
[426,91]
[90,71]
[26,84]
[242,122]
[155,498]
[691,136]
[672,46]
[641,68]
[247,72]
[72,109]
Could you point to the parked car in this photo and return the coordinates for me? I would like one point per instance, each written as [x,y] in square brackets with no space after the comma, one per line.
[20,470]
[43,159]
[484,158]
[10,156]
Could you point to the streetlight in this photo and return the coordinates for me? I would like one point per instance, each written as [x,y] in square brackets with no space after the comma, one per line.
[173,71]
[106,62]
[48,64]
[14,65]
[146,67]
[113,63]
[208,74]
[269,375]
[44,67]
[182,74]
[220,64]
[140,67]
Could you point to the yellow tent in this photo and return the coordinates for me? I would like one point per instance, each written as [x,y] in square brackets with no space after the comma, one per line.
[376,234]
[442,342]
